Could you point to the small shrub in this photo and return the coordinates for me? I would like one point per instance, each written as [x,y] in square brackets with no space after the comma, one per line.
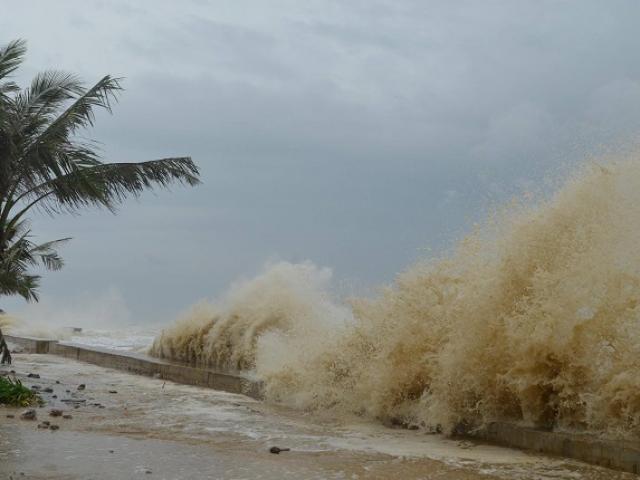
[14,394]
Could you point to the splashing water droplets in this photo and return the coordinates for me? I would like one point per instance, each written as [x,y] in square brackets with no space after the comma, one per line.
[534,317]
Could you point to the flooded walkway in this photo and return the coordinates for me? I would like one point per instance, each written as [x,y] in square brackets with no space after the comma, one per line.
[127,426]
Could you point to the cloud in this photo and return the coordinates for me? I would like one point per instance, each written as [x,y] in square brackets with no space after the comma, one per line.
[351,134]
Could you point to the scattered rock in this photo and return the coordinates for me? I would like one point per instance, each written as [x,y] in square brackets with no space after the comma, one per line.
[55,412]
[35,387]
[11,415]
[54,396]
[464,444]
[47,390]
[82,386]
[277,450]
[110,451]
[76,406]
[43,425]
[113,391]
[67,417]
[54,427]
[33,375]
[148,471]
[46,422]
[68,391]
[28,414]
[58,382]
[102,406]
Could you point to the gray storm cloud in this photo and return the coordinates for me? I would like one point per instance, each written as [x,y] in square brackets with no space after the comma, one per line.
[352,134]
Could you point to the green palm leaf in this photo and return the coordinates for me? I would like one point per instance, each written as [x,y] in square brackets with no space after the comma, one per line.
[11,56]
[45,165]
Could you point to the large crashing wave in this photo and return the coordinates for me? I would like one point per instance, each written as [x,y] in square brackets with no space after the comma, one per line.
[289,299]
[534,317]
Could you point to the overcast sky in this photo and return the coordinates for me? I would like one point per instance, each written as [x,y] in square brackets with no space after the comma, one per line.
[354,134]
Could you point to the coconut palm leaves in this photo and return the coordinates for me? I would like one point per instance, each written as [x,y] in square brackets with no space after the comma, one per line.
[44,164]
[20,256]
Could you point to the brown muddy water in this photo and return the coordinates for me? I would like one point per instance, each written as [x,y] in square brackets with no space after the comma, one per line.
[152,429]
[533,317]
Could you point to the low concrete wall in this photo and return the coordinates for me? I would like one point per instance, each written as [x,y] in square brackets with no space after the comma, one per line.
[140,364]
[618,455]
[28,344]
[145,365]
[612,454]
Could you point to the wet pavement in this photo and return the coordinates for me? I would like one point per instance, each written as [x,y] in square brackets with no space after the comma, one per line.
[126,427]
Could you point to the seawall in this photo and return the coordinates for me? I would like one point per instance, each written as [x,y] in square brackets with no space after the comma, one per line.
[618,455]
[142,364]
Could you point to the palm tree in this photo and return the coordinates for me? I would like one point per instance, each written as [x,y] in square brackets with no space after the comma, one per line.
[46,165]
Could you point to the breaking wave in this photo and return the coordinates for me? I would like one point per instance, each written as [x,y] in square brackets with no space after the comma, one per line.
[6,321]
[291,299]
[533,317]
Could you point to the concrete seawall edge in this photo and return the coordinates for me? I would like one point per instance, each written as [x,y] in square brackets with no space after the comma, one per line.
[623,456]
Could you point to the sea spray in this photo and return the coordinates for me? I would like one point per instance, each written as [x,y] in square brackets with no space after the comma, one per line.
[291,299]
[533,318]
[6,321]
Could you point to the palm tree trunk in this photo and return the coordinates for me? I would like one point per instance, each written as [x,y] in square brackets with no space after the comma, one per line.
[5,355]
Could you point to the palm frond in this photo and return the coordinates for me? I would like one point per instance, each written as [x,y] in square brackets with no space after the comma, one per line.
[52,261]
[20,255]
[47,255]
[11,56]
[80,114]
[46,94]
[17,283]
[45,153]
[107,185]
[44,164]
[7,88]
